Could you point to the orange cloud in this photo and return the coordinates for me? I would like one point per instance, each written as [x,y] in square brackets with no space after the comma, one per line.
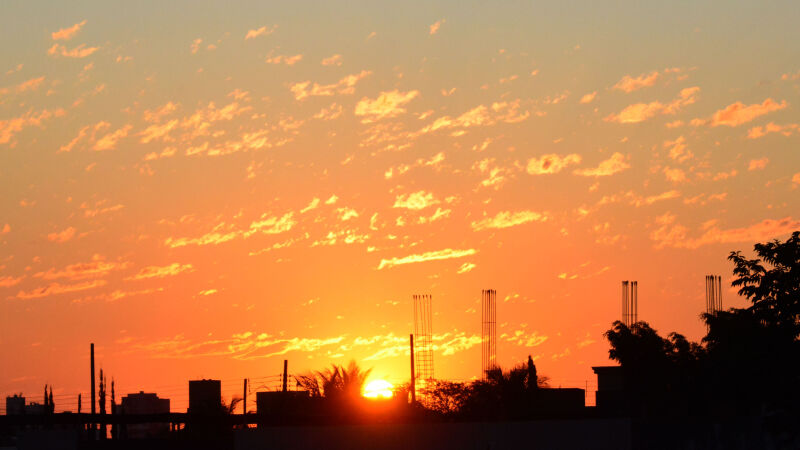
[437,255]
[629,84]
[388,104]
[56,288]
[284,59]
[62,236]
[796,180]
[66,34]
[758,164]
[346,85]
[10,127]
[640,112]
[435,27]
[263,31]
[506,219]
[737,113]
[786,130]
[81,51]
[109,141]
[30,85]
[588,97]
[671,234]
[9,281]
[333,60]
[96,268]
[161,271]
[615,164]
[551,163]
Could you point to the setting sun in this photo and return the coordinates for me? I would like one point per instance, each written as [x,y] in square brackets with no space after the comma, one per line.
[378,389]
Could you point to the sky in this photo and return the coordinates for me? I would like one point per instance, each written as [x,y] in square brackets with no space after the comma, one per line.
[204,190]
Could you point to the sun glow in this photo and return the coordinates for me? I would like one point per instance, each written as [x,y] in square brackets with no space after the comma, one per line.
[378,389]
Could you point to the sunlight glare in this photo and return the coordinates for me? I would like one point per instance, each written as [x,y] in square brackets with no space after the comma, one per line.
[378,389]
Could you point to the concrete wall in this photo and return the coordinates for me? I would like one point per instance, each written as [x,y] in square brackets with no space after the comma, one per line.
[543,434]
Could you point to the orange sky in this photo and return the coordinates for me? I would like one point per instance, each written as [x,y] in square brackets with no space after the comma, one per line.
[204,191]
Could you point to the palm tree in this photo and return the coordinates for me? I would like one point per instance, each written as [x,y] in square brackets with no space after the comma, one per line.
[335,382]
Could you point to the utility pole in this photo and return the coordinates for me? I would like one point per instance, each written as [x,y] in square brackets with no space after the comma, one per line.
[413,378]
[285,374]
[91,425]
[244,399]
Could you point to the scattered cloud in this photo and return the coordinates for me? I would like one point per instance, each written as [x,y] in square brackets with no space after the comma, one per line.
[170,270]
[759,131]
[346,85]
[669,233]
[57,288]
[588,97]
[437,255]
[435,27]
[387,104]
[284,59]
[506,219]
[263,31]
[81,51]
[737,113]
[551,163]
[629,84]
[415,201]
[615,164]
[333,60]
[758,164]
[62,236]
[640,112]
[68,33]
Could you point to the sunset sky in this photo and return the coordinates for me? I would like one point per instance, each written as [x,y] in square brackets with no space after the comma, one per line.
[205,190]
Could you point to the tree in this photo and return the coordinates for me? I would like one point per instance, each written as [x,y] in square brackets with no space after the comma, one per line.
[772,283]
[336,382]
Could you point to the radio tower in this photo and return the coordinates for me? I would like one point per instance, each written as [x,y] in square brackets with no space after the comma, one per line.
[488,330]
[423,338]
[713,294]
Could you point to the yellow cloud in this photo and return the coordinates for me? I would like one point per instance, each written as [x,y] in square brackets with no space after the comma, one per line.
[346,85]
[615,164]
[263,31]
[62,236]
[416,200]
[629,84]
[284,59]
[388,104]
[56,288]
[81,51]
[506,219]
[447,253]
[161,271]
[435,27]
[588,97]
[640,112]
[333,60]
[109,141]
[551,163]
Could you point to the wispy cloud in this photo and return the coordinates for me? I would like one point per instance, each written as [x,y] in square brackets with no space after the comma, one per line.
[62,236]
[551,163]
[435,27]
[615,164]
[81,51]
[506,219]
[387,104]
[437,255]
[737,113]
[57,288]
[262,31]
[640,112]
[68,33]
[629,84]
[416,200]
[170,270]
[346,85]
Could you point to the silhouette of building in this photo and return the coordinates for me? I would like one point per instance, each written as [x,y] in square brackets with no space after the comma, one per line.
[205,397]
[560,400]
[611,395]
[145,403]
[276,405]
[15,405]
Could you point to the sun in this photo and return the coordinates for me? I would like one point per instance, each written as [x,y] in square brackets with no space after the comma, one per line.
[378,389]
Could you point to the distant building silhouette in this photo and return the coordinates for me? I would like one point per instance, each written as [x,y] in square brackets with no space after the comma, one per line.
[15,405]
[145,403]
[205,397]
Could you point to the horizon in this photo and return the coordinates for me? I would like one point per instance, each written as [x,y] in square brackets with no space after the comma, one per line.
[204,191]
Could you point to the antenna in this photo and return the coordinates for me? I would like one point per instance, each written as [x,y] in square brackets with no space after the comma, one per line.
[630,302]
[423,337]
[488,330]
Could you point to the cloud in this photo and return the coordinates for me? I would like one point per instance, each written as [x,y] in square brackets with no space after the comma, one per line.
[150,272]
[588,97]
[737,113]
[313,205]
[346,85]
[435,27]
[796,180]
[96,268]
[6,229]
[10,127]
[272,225]
[62,236]
[157,131]
[629,84]
[758,164]
[506,219]
[551,163]
[30,85]
[615,164]
[333,60]
[640,112]
[263,31]
[284,59]
[416,201]
[671,234]
[109,141]
[786,130]
[8,281]
[427,256]
[466,267]
[195,47]
[388,104]
[57,288]
[81,51]
[66,34]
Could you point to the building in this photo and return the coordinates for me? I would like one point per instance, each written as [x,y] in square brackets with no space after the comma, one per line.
[205,397]
[15,405]
[283,407]
[611,395]
[145,403]
[560,400]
